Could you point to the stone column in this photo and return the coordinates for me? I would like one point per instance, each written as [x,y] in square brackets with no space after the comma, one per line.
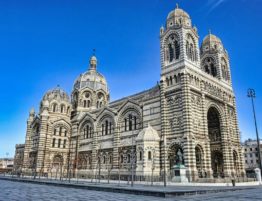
[115,148]
[94,149]
[163,146]
[225,145]
[189,149]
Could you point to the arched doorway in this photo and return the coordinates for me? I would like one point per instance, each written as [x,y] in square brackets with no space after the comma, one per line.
[173,155]
[214,134]
[57,166]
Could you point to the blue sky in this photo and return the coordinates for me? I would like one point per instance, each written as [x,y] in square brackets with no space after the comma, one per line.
[46,43]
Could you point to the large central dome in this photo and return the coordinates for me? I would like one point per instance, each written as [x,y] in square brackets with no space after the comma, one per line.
[91,79]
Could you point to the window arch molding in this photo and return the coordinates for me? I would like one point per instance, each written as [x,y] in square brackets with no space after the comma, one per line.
[86,98]
[191,47]
[130,118]
[172,47]
[209,66]
[225,69]
[106,124]
[87,129]
[54,106]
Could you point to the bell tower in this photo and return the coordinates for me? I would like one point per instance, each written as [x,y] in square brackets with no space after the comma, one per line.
[179,45]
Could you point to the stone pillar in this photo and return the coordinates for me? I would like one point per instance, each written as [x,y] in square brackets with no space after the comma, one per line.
[225,146]
[94,149]
[189,149]
[163,145]
[115,148]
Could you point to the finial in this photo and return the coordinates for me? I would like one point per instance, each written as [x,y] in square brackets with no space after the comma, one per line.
[177,5]
[93,61]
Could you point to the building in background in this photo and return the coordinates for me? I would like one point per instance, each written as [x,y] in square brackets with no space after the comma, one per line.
[192,111]
[250,150]
[6,164]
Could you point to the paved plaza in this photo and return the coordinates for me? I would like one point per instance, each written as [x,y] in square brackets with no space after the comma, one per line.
[18,191]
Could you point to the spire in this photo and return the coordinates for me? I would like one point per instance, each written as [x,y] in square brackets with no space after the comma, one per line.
[93,62]
[177,6]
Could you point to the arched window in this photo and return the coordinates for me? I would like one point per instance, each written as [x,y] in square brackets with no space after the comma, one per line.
[87,130]
[54,131]
[65,133]
[149,155]
[209,66]
[85,104]
[104,159]
[224,69]
[54,107]
[190,48]
[213,121]
[173,51]
[53,144]
[106,129]
[88,103]
[68,110]
[121,158]
[128,158]
[62,109]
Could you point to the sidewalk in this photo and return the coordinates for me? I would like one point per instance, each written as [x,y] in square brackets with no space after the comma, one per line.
[138,189]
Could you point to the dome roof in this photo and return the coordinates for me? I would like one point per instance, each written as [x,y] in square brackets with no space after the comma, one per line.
[57,93]
[148,134]
[91,78]
[178,12]
[210,38]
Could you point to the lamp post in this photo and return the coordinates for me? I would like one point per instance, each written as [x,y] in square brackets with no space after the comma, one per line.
[251,94]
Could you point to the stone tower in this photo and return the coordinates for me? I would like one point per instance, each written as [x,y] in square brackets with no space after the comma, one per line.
[198,104]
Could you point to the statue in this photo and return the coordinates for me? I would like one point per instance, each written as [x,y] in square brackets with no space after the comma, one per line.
[179,157]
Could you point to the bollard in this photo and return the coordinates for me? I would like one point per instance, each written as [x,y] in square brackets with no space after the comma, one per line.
[258,175]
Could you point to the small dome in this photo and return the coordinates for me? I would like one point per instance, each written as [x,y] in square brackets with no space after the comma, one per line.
[178,17]
[91,78]
[212,43]
[148,134]
[57,94]
[211,39]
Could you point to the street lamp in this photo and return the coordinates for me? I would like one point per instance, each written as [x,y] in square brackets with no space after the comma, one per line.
[251,94]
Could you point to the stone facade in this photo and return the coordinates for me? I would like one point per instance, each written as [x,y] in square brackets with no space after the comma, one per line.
[192,110]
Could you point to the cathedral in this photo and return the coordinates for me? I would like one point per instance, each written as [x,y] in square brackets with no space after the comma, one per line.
[191,111]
